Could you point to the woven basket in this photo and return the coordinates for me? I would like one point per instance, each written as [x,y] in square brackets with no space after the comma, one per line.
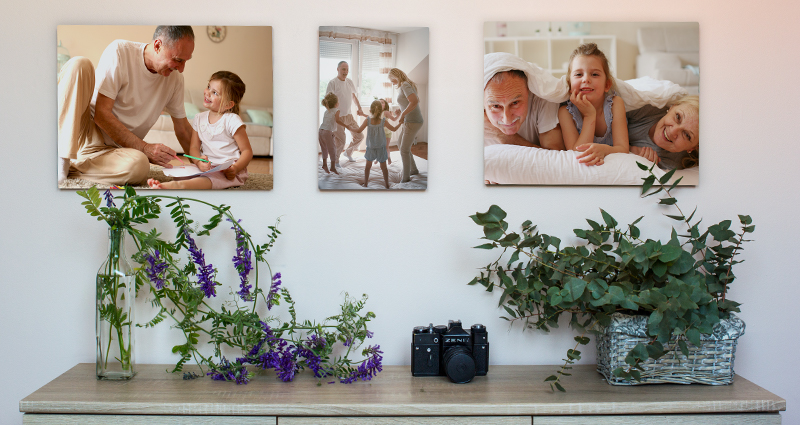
[709,364]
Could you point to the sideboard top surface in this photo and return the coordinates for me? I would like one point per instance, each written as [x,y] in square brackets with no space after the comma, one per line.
[506,390]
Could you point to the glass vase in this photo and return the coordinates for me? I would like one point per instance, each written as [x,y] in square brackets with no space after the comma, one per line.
[116,294]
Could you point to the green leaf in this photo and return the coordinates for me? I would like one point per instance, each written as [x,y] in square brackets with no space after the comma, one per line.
[670,253]
[551,378]
[648,183]
[684,348]
[583,340]
[665,178]
[667,201]
[641,166]
[575,287]
[514,257]
[610,222]
[492,234]
[693,335]
[494,215]
[560,388]
[486,246]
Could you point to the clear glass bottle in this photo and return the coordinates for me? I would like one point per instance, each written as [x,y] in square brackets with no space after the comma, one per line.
[116,294]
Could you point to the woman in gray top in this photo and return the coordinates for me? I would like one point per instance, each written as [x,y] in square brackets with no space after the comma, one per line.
[410,119]
[667,136]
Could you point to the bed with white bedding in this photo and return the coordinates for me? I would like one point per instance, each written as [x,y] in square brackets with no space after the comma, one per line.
[351,174]
[510,164]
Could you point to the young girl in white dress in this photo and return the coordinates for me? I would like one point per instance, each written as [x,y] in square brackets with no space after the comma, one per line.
[219,136]
[376,141]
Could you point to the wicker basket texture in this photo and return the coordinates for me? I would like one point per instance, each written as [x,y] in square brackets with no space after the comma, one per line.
[709,364]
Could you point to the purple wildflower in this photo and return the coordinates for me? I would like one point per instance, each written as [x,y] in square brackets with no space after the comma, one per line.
[347,342]
[227,371]
[316,342]
[242,261]
[273,290]
[368,368]
[205,273]
[312,361]
[370,334]
[109,198]
[156,268]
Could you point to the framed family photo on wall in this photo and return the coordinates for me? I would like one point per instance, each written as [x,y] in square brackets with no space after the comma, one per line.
[165,107]
[373,103]
[585,103]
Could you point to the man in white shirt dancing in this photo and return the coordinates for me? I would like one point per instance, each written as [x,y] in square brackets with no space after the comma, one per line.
[345,90]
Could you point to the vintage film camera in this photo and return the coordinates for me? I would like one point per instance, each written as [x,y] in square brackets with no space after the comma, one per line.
[450,350]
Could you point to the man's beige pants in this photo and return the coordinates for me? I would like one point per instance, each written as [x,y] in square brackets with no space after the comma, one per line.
[339,136]
[79,138]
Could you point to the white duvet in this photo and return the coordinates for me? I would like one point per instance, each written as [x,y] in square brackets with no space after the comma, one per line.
[510,164]
[351,174]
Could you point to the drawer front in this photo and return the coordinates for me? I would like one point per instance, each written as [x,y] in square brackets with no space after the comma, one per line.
[410,420]
[731,419]
[47,419]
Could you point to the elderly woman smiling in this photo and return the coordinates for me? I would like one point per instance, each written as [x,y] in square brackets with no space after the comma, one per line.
[410,119]
[668,136]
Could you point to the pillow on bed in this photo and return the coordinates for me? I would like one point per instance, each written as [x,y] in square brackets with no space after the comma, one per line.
[259,116]
[511,164]
[191,110]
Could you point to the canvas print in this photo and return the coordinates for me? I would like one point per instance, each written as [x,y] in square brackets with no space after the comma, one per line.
[373,103]
[584,103]
[165,107]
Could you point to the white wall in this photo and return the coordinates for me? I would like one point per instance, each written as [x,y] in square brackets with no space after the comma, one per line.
[415,260]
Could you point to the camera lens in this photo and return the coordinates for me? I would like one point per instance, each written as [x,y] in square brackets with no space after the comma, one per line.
[459,364]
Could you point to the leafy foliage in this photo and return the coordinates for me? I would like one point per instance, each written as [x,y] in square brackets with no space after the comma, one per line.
[681,283]
[181,291]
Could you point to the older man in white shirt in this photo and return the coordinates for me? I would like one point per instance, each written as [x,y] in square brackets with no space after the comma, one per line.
[345,90]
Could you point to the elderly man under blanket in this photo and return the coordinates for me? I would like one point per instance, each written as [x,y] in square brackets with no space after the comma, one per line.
[514,115]
[105,112]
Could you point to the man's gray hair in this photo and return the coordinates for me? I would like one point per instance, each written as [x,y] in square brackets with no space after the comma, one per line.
[169,35]
[501,76]
[340,64]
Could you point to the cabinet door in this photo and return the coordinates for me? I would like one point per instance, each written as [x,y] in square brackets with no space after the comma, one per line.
[410,420]
[45,419]
[729,419]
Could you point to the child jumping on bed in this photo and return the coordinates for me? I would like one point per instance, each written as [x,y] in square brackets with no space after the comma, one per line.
[376,141]
[219,136]
[326,130]
[593,120]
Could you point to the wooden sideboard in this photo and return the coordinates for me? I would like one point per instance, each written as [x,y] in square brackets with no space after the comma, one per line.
[508,395]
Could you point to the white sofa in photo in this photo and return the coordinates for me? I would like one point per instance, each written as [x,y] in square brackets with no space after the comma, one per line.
[671,54]
[259,133]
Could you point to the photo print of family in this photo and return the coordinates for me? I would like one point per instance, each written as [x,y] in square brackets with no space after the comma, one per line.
[165,107]
[373,108]
[581,103]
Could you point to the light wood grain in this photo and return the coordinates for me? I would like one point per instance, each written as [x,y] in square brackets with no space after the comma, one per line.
[442,420]
[505,391]
[734,419]
[44,419]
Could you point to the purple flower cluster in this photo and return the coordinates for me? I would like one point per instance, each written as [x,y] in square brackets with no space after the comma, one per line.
[109,198]
[368,368]
[156,268]
[243,262]
[205,273]
[273,290]
[278,354]
[227,371]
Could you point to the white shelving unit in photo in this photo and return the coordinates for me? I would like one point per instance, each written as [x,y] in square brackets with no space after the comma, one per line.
[551,52]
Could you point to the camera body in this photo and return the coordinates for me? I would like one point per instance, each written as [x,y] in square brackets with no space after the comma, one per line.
[450,350]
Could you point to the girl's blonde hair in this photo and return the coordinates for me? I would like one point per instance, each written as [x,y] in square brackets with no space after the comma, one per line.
[376,109]
[330,100]
[232,89]
[401,77]
[590,49]
[693,158]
